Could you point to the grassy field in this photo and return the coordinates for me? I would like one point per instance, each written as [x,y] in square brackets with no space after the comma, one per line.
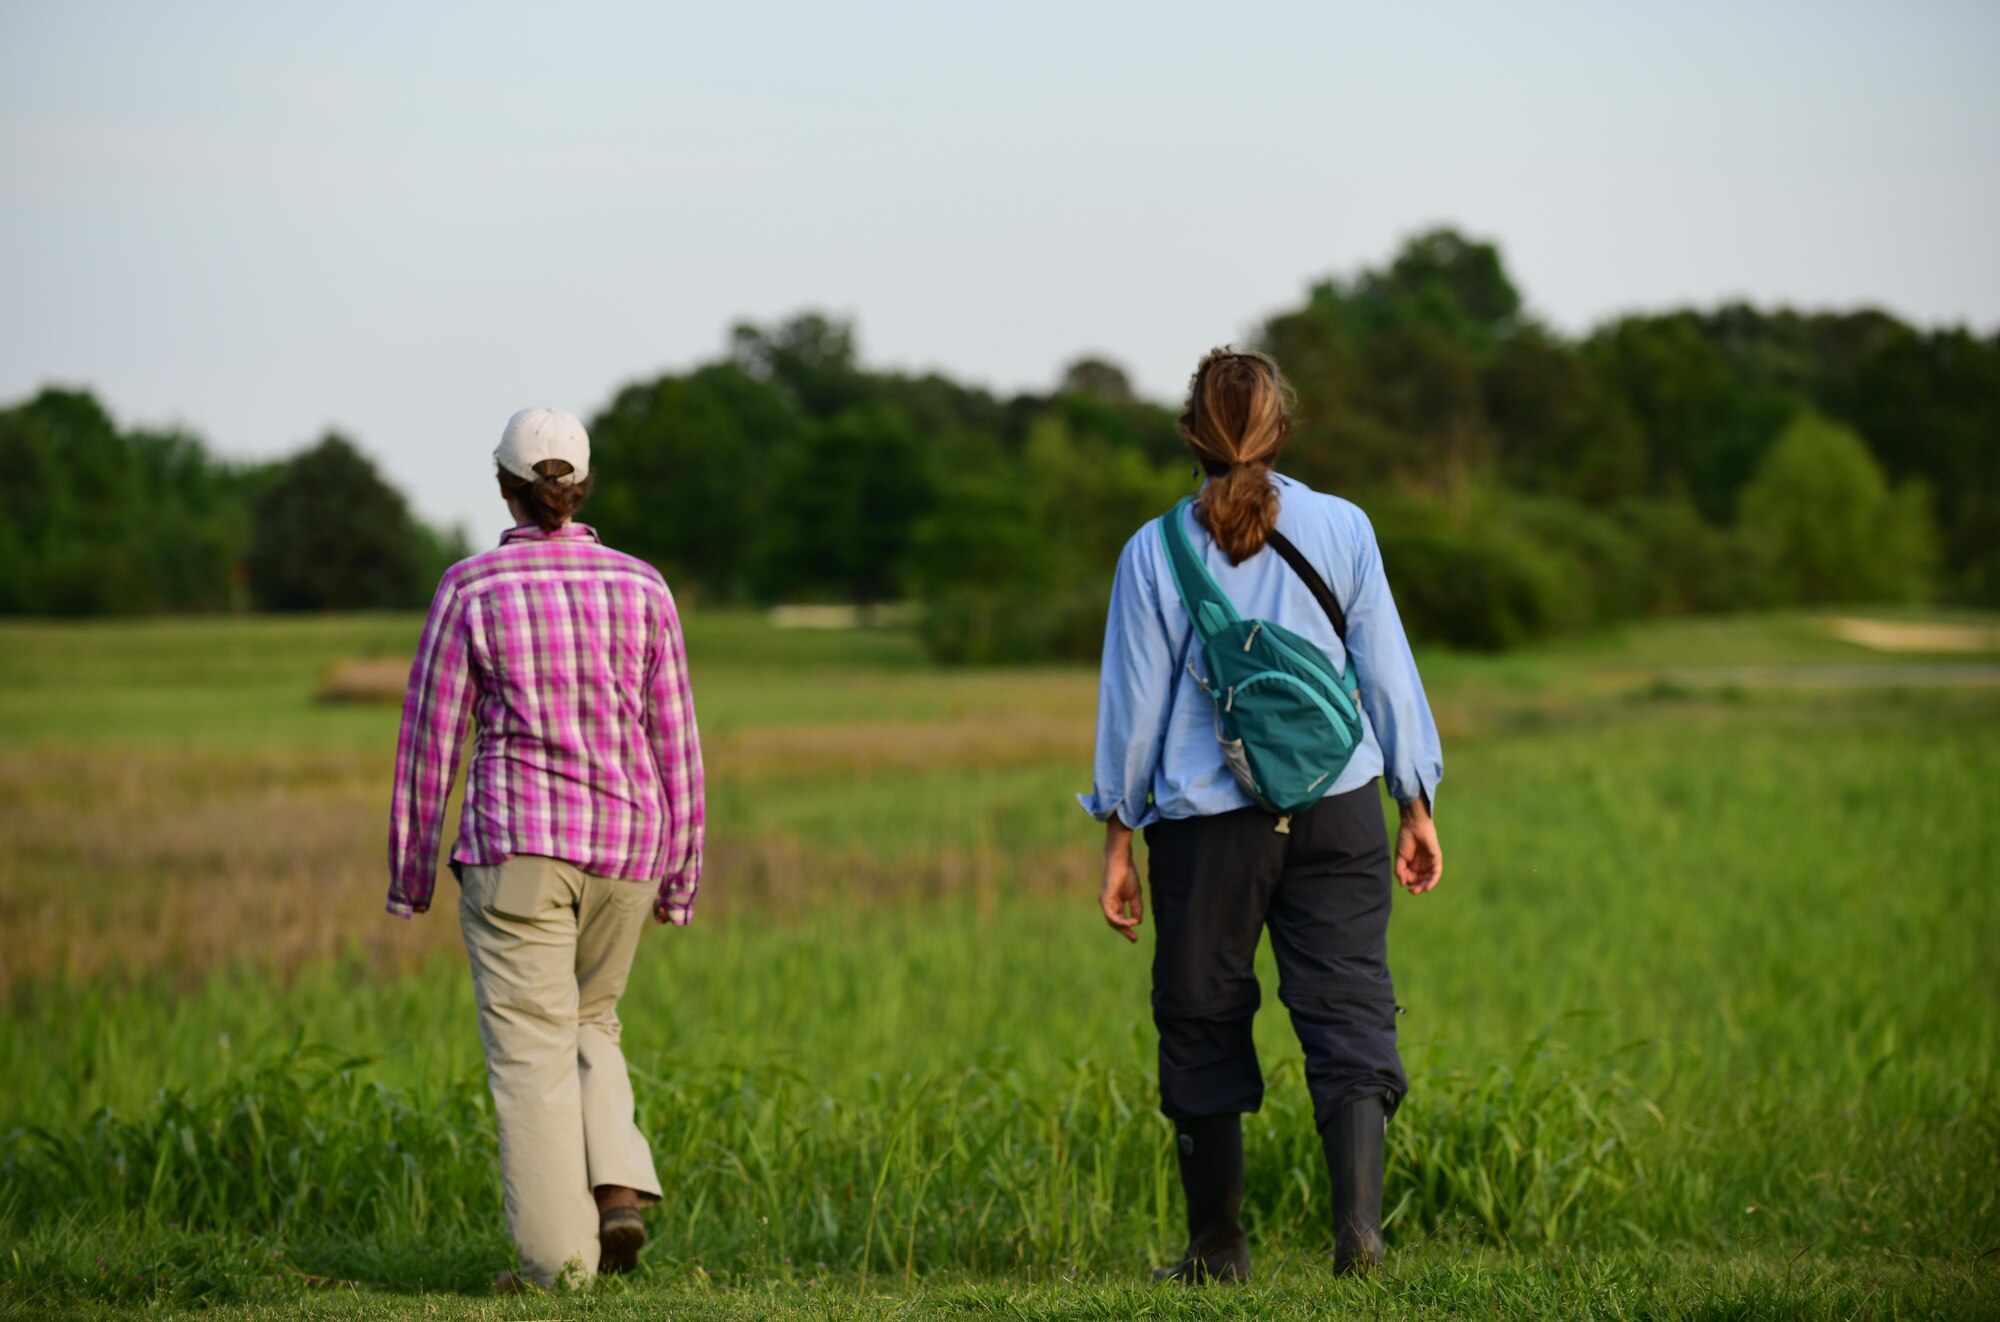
[1703,1021]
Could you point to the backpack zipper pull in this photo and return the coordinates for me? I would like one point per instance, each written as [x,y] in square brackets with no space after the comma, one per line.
[1230,704]
[1253,636]
[1285,825]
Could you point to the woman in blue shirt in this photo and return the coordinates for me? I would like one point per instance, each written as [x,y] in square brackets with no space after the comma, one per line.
[1221,868]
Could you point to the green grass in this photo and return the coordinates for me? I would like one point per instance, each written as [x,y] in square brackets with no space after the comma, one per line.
[1702,1023]
[1438,1280]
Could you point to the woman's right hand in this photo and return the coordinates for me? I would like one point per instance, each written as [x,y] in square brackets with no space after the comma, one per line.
[1120,896]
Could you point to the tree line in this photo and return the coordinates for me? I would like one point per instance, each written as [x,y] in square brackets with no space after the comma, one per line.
[1522,482]
[101,521]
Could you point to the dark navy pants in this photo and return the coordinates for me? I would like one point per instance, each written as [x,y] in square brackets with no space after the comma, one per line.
[1323,890]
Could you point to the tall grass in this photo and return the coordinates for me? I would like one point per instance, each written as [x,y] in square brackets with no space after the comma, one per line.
[993,1169]
[985,1168]
[1705,975]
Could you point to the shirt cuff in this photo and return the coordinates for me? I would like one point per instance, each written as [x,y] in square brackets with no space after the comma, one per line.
[675,902]
[1405,789]
[1102,806]
[403,909]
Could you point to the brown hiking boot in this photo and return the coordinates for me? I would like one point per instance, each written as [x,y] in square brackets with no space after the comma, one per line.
[621,1233]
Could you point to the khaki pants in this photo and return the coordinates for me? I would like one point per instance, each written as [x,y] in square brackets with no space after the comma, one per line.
[551,947]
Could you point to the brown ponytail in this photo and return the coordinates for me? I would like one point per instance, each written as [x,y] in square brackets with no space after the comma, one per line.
[1238,413]
[548,500]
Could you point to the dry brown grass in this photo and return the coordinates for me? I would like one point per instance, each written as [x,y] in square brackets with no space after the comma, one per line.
[129,863]
[132,863]
[988,742]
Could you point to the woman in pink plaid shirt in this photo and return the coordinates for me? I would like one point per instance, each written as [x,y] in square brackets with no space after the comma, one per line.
[583,813]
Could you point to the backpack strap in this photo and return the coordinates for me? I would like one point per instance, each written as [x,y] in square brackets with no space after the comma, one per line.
[1314,583]
[1207,605]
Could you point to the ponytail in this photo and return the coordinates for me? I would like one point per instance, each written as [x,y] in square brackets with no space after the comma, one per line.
[1239,509]
[548,500]
[1238,414]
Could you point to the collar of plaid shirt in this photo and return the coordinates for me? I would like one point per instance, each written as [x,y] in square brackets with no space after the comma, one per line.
[528,532]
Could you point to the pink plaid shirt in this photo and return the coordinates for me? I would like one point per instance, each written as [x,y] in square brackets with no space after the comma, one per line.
[568,656]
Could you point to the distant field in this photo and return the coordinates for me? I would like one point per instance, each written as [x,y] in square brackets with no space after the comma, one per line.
[1703,1020]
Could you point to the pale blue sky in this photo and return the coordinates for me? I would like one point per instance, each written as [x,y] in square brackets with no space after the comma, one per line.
[407,220]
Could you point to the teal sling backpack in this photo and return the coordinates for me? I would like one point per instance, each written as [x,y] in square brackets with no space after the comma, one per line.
[1288,722]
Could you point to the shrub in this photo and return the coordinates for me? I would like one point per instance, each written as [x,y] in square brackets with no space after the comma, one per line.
[1467,573]
[1690,564]
[1824,525]
[1016,565]
[1601,550]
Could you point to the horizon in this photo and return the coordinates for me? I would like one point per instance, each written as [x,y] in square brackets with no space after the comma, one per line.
[259,227]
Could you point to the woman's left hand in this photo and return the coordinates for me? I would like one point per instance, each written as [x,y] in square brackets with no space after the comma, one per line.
[1120,896]
[1419,857]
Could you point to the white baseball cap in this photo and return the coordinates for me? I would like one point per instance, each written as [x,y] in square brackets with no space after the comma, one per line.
[533,435]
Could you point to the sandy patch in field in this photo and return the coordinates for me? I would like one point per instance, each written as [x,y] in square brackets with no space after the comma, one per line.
[1915,636]
[379,681]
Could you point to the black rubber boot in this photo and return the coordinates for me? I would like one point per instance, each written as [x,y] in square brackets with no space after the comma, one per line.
[1211,1159]
[1353,1139]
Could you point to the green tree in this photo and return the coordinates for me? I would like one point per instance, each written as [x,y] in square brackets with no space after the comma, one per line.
[1827,526]
[1444,281]
[1388,366]
[1096,398]
[846,507]
[1333,445]
[1706,420]
[1099,379]
[687,467]
[94,520]
[1558,432]
[327,533]
[812,356]
[1929,404]
[986,571]
[1425,420]
[1017,563]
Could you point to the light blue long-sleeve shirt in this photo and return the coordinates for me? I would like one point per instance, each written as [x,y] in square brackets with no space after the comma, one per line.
[1157,752]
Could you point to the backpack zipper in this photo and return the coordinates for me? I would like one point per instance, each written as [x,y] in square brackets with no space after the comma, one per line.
[1306,661]
[1333,717]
